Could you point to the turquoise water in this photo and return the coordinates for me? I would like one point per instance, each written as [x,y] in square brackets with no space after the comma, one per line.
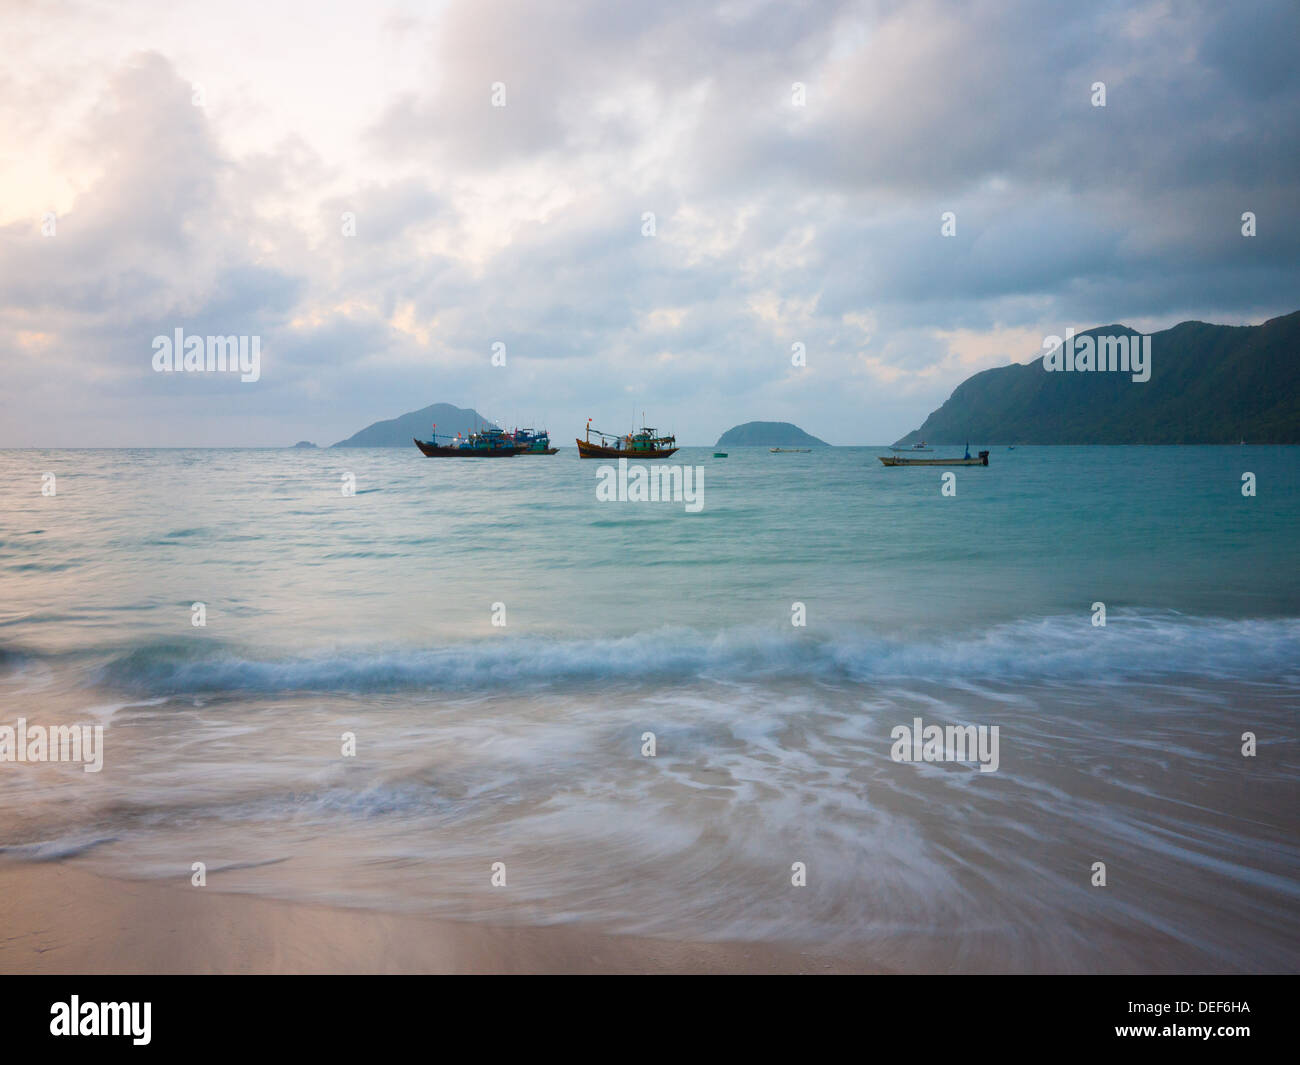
[373,613]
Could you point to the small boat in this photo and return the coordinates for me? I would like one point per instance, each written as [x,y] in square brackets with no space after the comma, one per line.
[789,450]
[644,443]
[719,454]
[486,444]
[906,460]
[915,447]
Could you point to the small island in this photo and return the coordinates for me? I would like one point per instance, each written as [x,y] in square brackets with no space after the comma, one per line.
[768,434]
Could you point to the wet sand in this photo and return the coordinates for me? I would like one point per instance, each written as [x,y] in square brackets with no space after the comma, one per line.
[57,919]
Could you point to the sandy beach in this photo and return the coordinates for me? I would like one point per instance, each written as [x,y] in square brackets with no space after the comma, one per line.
[61,920]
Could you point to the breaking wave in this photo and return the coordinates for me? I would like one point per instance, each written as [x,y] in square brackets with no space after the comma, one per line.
[1130,648]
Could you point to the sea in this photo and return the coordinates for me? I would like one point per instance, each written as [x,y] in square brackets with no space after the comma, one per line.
[477,690]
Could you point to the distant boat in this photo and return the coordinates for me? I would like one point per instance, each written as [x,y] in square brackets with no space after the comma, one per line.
[534,442]
[487,444]
[719,454]
[644,443]
[901,460]
[915,447]
[789,450]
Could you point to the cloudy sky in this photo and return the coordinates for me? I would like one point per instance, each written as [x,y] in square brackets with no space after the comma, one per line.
[198,159]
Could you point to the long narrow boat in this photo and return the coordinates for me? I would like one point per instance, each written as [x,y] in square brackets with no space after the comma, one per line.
[439,451]
[490,443]
[899,460]
[645,443]
[789,450]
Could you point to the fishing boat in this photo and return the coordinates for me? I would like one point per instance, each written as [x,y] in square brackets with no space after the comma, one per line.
[644,443]
[915,447]
[789,450]
[534,442]
[982,459]
[485,444]
[719,454]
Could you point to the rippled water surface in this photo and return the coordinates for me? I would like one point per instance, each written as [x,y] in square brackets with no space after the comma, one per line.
[372,614]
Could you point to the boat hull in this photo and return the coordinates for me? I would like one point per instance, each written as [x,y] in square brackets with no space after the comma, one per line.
[595,451]
[898,460]
[437,451]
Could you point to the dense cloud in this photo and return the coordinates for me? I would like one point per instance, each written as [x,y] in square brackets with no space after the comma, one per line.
[774,223]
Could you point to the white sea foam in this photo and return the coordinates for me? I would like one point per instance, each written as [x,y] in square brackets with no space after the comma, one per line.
[53,850]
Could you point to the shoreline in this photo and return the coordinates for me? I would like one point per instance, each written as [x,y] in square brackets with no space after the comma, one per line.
[60,920]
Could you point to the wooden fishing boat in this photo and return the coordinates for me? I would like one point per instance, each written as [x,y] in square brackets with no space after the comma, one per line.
[489,443]
[534,442]
[434,450]
[645,443]
[789,450]
[719,454]
[982,459]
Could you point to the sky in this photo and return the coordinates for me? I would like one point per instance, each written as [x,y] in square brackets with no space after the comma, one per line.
[642,206]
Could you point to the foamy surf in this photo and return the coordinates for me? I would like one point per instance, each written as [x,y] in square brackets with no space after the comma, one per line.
[53,850]
[1040,650]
